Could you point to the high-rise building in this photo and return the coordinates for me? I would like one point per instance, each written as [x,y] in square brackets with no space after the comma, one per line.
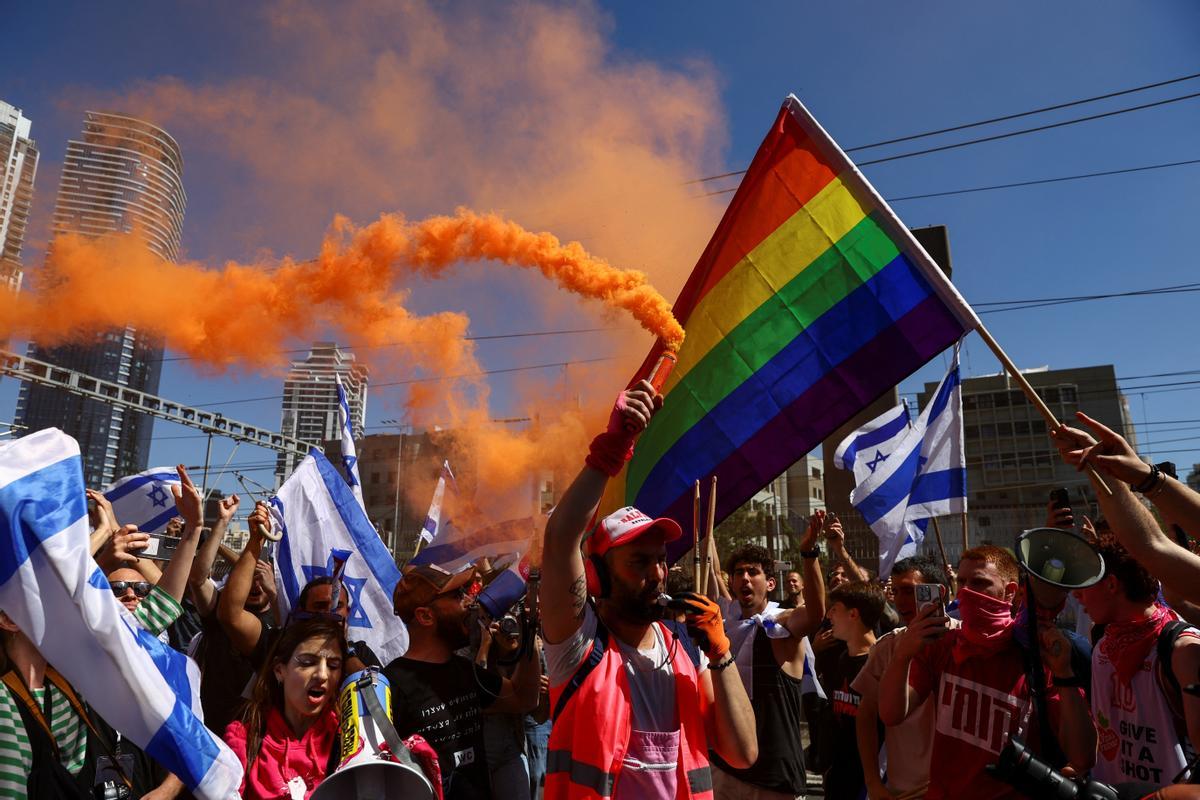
[1011,462]
[121,175]
[18,167]
[310,402]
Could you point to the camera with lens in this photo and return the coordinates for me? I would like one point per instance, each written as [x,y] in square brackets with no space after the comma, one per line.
[111,779]
[1021,769]
[510,626]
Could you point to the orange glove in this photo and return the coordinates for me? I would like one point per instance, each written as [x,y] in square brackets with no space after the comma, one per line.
[704,623]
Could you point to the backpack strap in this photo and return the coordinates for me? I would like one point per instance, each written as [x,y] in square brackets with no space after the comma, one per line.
[599,646]
[22,693]
[1165,648]
[55,678]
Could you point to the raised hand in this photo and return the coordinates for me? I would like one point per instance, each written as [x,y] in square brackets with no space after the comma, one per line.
[188,501]
[127,543]
[815,523]
[265,577]
[227,507]
[1106,451]
[636,406]
[104,511]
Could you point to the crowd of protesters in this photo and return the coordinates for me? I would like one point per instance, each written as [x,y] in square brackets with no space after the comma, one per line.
[620,680]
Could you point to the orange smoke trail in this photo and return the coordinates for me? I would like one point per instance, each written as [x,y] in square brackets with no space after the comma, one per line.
[243,314]
[432,245]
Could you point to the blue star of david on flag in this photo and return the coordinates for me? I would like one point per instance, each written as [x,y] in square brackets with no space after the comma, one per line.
[157,496]
[876,461]
[354,588]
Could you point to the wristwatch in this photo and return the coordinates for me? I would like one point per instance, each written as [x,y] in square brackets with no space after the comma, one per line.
[814,553]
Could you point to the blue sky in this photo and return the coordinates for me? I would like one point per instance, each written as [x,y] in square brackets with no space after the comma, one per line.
[869,71]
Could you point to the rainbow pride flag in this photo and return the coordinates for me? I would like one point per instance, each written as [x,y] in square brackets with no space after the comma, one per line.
[811,300]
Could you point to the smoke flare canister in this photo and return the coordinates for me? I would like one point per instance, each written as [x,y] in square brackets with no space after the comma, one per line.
[662,370]
[658,377]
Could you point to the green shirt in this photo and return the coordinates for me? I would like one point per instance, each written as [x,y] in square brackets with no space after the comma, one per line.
[155,613]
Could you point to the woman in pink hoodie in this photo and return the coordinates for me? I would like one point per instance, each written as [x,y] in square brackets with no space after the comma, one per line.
[287,734]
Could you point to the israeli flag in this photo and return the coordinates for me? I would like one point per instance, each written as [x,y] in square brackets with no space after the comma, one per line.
[457,549]
[864,450]
[322,521]
[808,677]
[924,476]
[145,499]
[53,590]
[433,520]
[349,454]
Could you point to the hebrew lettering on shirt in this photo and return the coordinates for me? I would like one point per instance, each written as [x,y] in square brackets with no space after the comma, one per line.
[976,714]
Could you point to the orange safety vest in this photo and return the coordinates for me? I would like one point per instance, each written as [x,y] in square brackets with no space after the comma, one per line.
[593,723]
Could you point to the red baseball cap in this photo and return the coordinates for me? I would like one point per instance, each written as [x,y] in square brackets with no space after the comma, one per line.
[624,526]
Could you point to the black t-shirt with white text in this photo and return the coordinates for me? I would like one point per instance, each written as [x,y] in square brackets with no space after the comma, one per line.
[443,703]
[843,772]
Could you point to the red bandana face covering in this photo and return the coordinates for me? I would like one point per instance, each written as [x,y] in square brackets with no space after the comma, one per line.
[987,625]
[1127,644]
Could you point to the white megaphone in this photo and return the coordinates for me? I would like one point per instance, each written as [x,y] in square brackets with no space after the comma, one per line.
[375,764]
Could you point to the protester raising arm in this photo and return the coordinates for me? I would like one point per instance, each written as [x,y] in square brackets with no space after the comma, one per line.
[204,593]
[897,699]
[837,549]
[106,521]
[1135,527]
[564,587]
[807,623]
[190,506]
[244,628]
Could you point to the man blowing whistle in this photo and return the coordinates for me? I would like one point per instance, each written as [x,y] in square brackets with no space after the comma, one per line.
[636,706]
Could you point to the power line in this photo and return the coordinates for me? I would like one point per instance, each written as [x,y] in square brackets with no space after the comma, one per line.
[1049,126]
[992,120]
[1040,182]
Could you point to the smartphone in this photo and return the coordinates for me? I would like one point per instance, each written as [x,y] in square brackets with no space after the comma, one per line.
[1060,498]
[929,594]
[160,547]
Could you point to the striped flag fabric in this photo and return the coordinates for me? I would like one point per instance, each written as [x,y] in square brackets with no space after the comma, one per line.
[808,677]
[145,499]
[349,454]
[458,549]
[864,450]
[924,476]
[433,520]
[59,598]
[322,525]
[810,301]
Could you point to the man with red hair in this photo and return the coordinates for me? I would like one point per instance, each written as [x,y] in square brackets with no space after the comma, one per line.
[977,677]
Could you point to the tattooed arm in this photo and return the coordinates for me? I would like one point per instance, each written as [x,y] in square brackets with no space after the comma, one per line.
[564,588]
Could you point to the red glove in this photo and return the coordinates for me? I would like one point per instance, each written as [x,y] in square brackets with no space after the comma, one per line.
[704,623]
[611,449]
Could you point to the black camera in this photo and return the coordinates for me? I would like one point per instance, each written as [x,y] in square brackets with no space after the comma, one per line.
[110,782]
[1021,769]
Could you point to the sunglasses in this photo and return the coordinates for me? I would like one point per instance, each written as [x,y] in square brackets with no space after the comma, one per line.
[140,588]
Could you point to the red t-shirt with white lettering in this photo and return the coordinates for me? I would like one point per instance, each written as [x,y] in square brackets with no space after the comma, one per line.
[977,704]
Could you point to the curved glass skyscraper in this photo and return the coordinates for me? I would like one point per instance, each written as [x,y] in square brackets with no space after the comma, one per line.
[123,174]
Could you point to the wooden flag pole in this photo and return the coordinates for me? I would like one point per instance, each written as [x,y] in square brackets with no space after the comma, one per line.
[937,531]
[1033,397]
[696,536]
[709,524]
